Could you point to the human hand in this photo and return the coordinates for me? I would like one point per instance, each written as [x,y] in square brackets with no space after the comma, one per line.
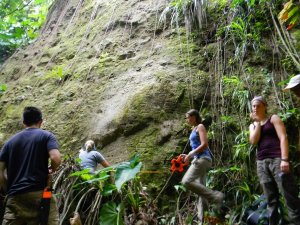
[285,166]
[185,158]
[254,117]
[182,156]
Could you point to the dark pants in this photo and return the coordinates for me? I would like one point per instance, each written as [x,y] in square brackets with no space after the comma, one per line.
[1,207]
[24,209]
[273,182]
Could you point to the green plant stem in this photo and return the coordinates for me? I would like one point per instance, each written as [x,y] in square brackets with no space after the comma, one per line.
[284,42]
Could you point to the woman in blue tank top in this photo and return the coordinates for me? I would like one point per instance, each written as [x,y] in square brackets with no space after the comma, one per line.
[200,157]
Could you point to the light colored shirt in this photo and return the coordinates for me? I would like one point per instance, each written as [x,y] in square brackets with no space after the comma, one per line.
[90,160]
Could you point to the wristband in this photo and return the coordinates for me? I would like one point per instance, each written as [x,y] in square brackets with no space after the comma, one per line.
[285,160]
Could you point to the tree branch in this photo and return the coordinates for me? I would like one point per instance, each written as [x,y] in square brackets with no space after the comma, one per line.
[15,10]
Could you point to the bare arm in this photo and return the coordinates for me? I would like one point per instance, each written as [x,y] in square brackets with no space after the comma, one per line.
[284,145]
[54,156]
[105,163]
[3,179]
[255,131]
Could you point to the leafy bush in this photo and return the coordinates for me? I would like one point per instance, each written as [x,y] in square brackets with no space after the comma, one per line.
[289,14]
[112,195]
[20,21]
[58,73]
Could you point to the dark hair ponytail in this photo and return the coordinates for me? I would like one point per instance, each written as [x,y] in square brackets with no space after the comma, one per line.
[194,112]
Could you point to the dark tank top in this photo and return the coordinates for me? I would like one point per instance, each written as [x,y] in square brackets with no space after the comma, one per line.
[269,144]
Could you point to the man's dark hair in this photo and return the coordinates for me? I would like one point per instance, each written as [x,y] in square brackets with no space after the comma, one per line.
[31,116]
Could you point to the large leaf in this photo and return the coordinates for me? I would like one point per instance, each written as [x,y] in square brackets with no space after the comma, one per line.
[79,173]
[90,179]
[111,214]
[127,171]
[108,189]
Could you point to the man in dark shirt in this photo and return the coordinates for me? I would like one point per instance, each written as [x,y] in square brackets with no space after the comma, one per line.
[25,158]
[294,85]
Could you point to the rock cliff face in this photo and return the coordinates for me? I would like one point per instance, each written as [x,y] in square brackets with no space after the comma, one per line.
[106,70]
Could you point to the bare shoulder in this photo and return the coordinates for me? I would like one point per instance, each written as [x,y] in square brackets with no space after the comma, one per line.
[275,119]
[201,127]
[251,126]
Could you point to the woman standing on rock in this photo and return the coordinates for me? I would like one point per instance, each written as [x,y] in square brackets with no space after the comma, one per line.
[194,179]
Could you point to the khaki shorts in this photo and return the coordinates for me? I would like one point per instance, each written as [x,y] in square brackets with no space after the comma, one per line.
[24,209]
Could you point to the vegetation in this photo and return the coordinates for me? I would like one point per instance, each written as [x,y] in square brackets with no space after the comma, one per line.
[289,14]
[112,195]
[243,35]
[229,51]
[58,73]
[20,22]
[3,88]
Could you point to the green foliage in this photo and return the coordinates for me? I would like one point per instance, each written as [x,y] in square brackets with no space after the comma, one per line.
[20,22]
[242,146]
[250,3]
[79,173]
[235,89]
[189,9]
[111,214]
[103,60]
[127,171]
[91,187]
[3,88]
[179,187]
[135,196]
[99,179]
[58,73]
[124,172]
[246,28]
[290,113]
[289,14]
[176,8]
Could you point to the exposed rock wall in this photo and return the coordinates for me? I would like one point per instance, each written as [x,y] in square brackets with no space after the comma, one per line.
[105,70]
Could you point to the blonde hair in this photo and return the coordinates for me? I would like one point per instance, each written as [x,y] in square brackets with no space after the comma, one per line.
[89,145]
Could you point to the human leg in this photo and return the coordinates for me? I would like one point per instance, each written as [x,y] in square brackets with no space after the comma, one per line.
[53,214]
[270,189]
[272,196]
[22,209]
[25,208]
[192,177]
[201,203]
[201,208]
[289,190]
[198,170]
